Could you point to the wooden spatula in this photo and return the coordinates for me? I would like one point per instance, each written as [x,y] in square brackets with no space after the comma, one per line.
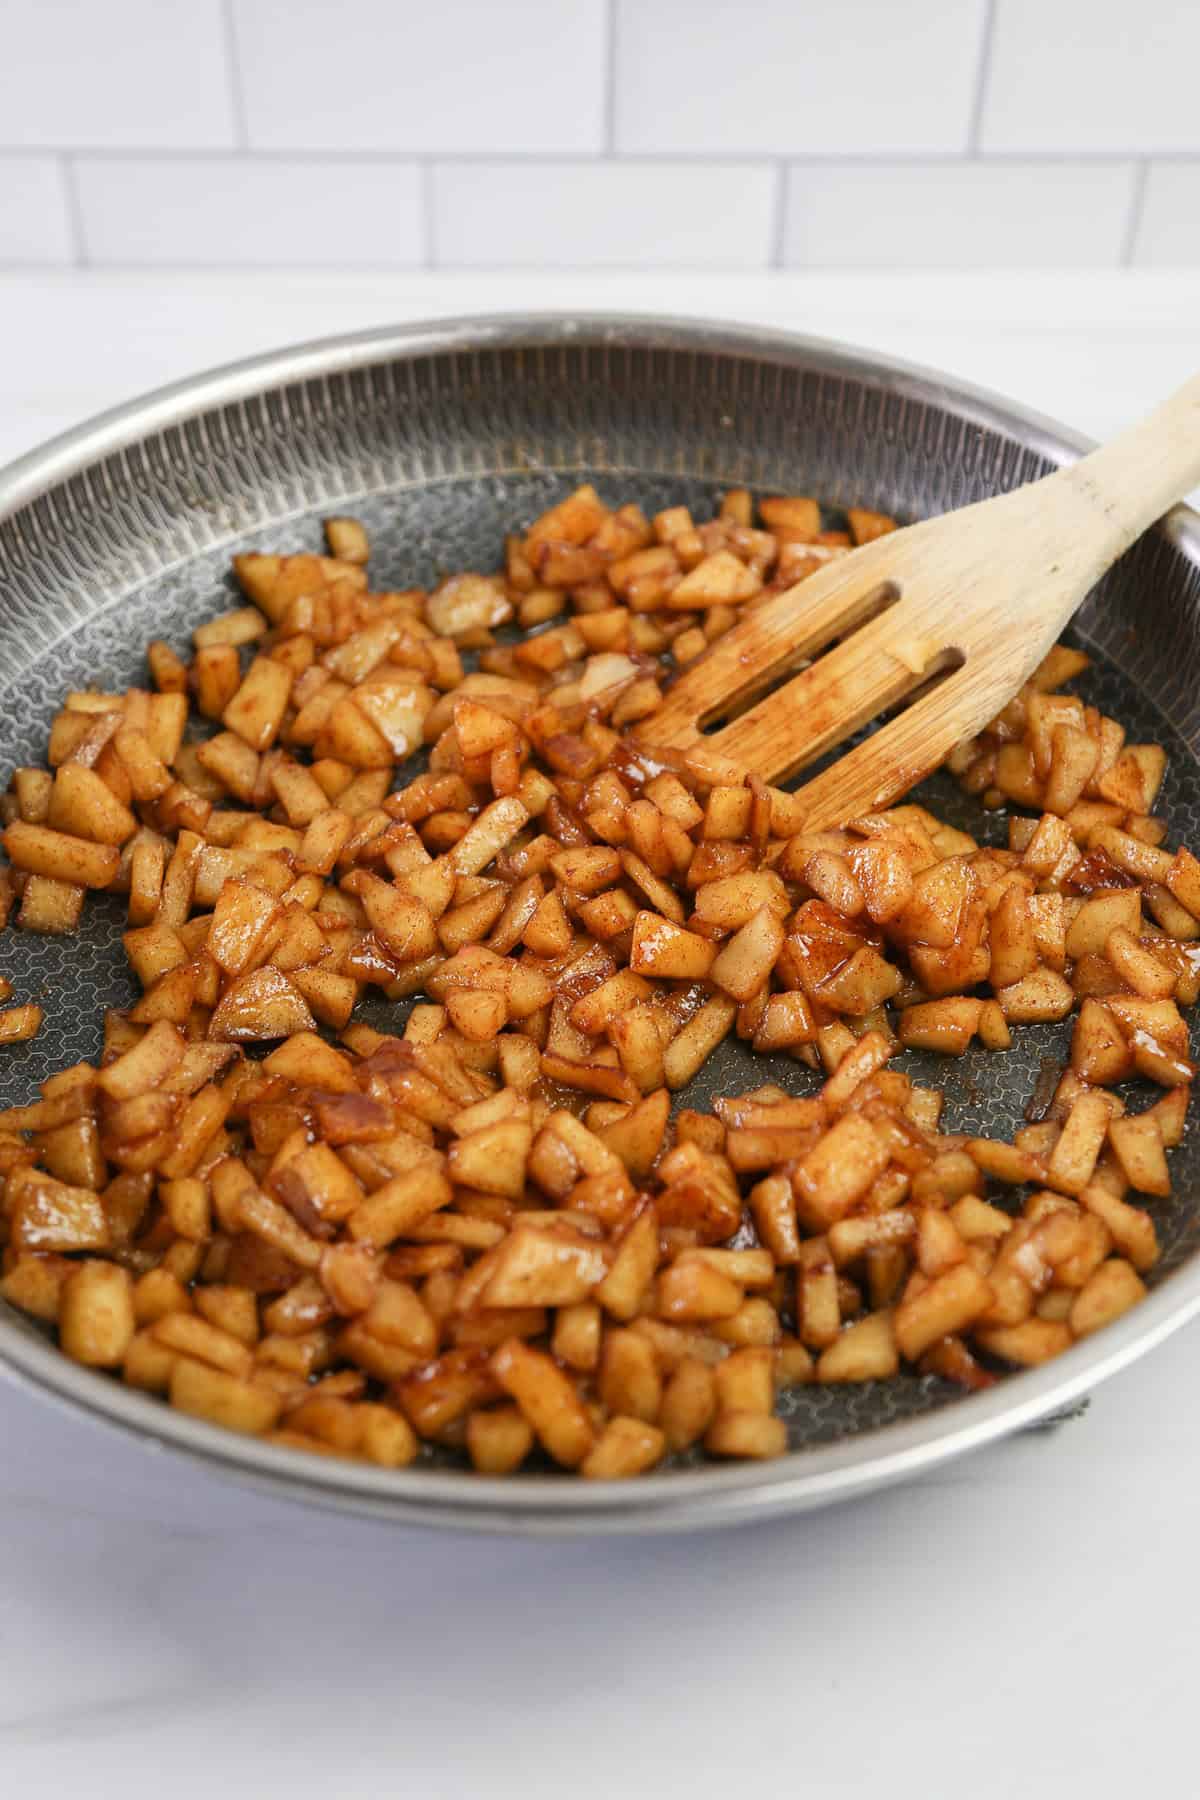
[957,611]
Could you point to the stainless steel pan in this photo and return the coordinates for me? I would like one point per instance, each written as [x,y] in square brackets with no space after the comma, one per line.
[440,436]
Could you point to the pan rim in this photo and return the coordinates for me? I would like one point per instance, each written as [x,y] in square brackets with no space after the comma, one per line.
[685,1499]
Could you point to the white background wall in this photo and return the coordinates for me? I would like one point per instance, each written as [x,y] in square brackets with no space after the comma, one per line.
[744,134]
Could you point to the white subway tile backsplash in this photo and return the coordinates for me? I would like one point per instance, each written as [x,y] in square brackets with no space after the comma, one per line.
[600,133]
[234,211]
[957,215]
[35,224]
[455,75]
[114,74]
[602,215]
[1073,75]
[1169,236]
[830,76]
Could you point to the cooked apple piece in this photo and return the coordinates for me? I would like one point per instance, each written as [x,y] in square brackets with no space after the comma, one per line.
[72,860]
[259,1005]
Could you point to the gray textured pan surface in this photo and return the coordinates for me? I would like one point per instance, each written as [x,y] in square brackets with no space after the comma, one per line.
[440,454]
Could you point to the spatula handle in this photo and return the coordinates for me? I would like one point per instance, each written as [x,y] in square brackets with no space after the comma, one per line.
[1140,475]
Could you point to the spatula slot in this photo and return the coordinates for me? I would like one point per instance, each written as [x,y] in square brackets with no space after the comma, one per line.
[947,662]
[870,674]
[813,766]
[765,674]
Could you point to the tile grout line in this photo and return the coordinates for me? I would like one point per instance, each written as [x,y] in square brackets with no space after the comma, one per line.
[982,74]
[779,198]
[1137,208]
[233,69]
[610,78]
[763,158]
[74,204]
[660,271]
[428,231]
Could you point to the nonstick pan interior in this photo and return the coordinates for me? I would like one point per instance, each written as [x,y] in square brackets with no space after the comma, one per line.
[442,447]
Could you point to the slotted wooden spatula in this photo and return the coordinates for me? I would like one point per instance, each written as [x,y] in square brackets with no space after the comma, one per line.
[957,611]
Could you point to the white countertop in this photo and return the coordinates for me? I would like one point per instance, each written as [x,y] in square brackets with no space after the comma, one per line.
[999,1627]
